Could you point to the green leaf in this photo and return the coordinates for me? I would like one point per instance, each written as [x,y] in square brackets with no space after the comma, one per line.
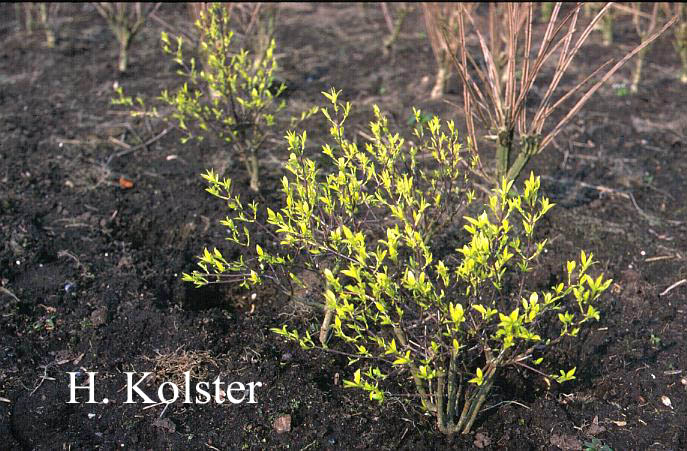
[403,360]
[480,309]
[478,379]
[457,313]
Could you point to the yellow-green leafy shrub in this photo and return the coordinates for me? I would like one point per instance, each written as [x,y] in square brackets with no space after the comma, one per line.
[372,227]
[232,95]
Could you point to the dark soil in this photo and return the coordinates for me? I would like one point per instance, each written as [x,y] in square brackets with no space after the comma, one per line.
[90,270]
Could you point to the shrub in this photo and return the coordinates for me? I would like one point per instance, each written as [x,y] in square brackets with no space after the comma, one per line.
[679,10]
[374,228]
[432,12]
[125,21]
[233,98]
[499,79]
[46,13]
[394,22]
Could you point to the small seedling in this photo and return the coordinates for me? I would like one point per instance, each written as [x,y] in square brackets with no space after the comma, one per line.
[46,323]
[620,89]
[596,445]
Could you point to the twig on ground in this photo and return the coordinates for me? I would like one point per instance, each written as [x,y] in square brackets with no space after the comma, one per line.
[660,257]
[651,218]
[505,402]
[165,409]
[626,194]
[150,406]
[44,377]
[673,286]
[128,149]
[9,293]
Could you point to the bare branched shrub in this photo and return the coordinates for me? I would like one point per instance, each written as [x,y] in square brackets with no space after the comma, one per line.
[45,13]
[23,12]
[394,19]
[679,10]
[448,13]
[605,25]
[497,37]
[502,105]
[645,25]
[125,20]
